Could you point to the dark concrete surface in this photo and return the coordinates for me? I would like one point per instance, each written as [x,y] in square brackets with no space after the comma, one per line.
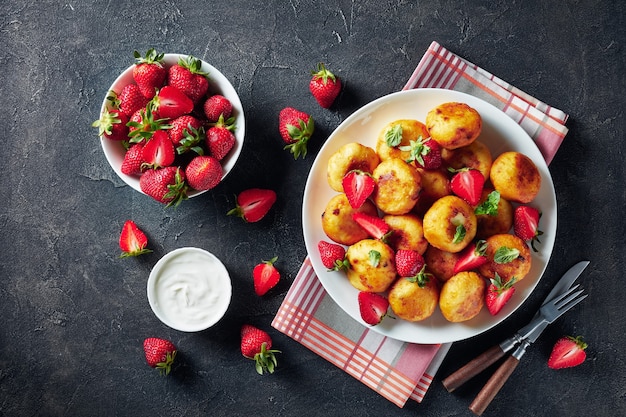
[74,315]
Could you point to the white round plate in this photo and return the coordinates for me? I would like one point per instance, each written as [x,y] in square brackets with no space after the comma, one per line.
[500,133]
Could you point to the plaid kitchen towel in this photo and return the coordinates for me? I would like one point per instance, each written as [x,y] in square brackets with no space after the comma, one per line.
[398,370]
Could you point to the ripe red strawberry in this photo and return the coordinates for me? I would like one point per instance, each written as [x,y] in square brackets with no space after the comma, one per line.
[133,241]
[333,256]
[166,185]
[425,153]
[160,354]
[170,103]
[203,172]
[468,183]
[216,106]
[265,276]
[324,86]
[358,186]
[253,204]
[567,352]
[373,307]
[149,72]
[375,226]
[130,99]
[472,257]
[112,125]
[220,138]
[181,126]
[409,262]
[499,293]
[256,344]
[133,160]
[188,77]
[143,123]
[159,151]
[526,224]
[296,128]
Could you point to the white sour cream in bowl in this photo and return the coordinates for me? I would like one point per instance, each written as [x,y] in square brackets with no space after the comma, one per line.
[189,289]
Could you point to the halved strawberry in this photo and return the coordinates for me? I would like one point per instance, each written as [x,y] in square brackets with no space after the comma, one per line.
[467,183]
[159,151]
[425,153]
[472,257]
[498,294]
[373,307]
[526,224]
[358,186]
[568,351]
[265,276]
[253,204]
[375,226]
[170,103]
[133,240]
[333,256]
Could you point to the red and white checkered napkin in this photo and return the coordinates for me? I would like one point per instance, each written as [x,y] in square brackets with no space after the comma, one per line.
[398,370]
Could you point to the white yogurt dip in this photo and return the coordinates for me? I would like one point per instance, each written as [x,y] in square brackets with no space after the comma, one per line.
[189,289]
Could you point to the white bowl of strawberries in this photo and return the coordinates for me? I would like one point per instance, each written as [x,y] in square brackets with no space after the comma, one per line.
[171,126]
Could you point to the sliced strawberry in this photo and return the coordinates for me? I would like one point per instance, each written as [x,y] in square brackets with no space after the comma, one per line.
[333,256]
[526,224]
[358,186]
[253,204]
[425,153]
[133,241]
[374,226]
[498,294]
[568,351]
[373,307]
[468,183]
[265,276]
[171,103]
[472,257]
[159,151]
[325,86]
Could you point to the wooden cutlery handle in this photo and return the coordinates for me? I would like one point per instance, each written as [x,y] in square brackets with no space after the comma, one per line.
[491,388]
[473,368]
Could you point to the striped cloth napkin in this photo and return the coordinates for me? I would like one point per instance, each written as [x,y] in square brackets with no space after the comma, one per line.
[397,370]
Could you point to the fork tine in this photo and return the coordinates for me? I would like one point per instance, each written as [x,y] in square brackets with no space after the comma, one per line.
[571,301]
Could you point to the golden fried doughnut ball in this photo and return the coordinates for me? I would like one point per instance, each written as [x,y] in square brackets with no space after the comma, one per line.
[398,185]
[518,267]
[406,130]
[435,184]
[516,177]
[501,222]
[412,302]
[476,155]
[408,232]
[462,296]
[440,263]
[372,265]
[337,220]
[450,224]
[349,157]
[453,125]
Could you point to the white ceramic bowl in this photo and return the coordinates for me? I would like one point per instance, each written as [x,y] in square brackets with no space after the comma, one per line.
[189,289]
[218,84]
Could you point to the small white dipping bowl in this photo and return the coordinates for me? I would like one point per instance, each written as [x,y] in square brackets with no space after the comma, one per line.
[218,84]
[189,289]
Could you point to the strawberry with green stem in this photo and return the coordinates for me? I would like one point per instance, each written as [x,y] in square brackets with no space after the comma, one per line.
[215,106]
[189,78]
[159,151]
[472,257]
[265,276]
[220,138]
[133,240]
[253,204]
[112,125]
[332,255]
[149,72]
[165,185]
[170,103]
[567,352]
[499,293]
[160,354]
[324,85]
[424,153]
[526,224]
[296,128]
[256,344]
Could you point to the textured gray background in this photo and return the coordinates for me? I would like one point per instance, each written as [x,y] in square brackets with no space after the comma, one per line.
[74,315]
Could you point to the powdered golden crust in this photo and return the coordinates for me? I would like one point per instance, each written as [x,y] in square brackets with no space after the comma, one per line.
[337,220]
[517,268]
[407,232]
[411,302]
[411,131]
[347,158]
[365,276]
[501,222]
[462,296]
[516,177]
[476,155]
[398,185]
[440,263]
[453,125]
[441,221]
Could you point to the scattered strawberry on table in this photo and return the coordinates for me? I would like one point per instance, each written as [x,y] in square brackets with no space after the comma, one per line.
[333,256]
[265,276]
[160,354]
[499,293]
[567,352]
[296,128]
[253,204]
[372,307]
[256,344]
[133,241]
[325,86]
[526,224]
